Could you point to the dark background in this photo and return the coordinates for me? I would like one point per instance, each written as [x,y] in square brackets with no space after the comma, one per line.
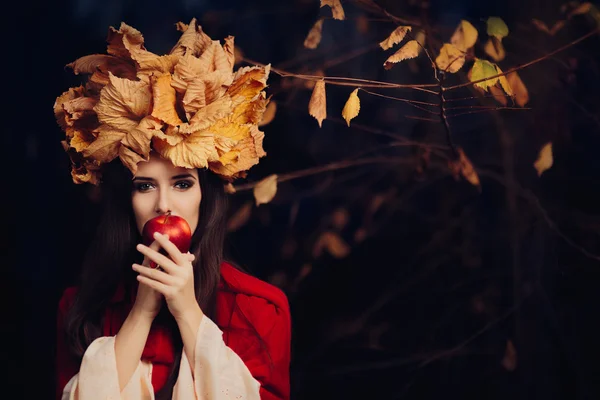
[424,306]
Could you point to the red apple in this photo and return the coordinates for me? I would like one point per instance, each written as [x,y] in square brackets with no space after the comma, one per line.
[176,227]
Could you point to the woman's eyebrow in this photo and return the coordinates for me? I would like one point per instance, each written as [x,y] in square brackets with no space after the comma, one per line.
[146,178]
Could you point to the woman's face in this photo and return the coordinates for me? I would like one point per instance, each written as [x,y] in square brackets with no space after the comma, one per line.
[159,186]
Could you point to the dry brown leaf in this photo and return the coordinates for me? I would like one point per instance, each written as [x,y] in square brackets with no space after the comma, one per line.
[130,158]
[229,188]
[163,96]
[408,51]
[451,59]
[545,159]
[360,235]
[269,114]
[106,146]
[139,139]
[352,107]
[504,82]
[467,170]
[540,25]
[499,95]
[557,27]
[583,8]
[265,190]
[465,36]
[509,361]
[123,103]
[340,218]
[81,140]
[336,8]
[395,37]
[518,87]
[317,107]
[314,35]
[240,217]
[494,48]
[333,243]
[362,24]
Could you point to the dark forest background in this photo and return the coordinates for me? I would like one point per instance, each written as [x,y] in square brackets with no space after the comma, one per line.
[446,291]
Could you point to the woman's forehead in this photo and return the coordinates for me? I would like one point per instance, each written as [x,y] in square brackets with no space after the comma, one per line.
[158,166]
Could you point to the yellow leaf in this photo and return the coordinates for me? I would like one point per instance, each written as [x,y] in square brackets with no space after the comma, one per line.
[510,356]
[450,59]
[504,82]
[518,88]
[496,27]
[395,37]
[333,243]
[314,35]
[336,8]
[269,114]
[483,69]
[240,217]
[544,160]
[352,107]
[494,48]
[465,36]
[317,107]
[409,50]
[245,153]
[265,190]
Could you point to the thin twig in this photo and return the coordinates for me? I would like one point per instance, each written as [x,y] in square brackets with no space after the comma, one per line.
[537,60]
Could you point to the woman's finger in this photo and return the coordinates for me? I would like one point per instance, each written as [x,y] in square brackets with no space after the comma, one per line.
[170,247]
[158,286]
[165,262]
[153,274]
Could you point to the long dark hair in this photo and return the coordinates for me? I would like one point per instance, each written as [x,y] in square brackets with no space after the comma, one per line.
[108,260]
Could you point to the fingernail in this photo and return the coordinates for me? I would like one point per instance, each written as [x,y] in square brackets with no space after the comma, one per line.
[157,235]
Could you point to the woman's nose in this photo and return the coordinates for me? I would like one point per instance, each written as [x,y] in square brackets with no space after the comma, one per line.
[163,206]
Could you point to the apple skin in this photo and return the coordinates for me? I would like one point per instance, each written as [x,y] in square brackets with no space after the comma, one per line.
[179,231]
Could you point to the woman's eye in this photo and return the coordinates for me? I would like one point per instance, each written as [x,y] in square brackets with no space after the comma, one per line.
[186,184]
[141,187]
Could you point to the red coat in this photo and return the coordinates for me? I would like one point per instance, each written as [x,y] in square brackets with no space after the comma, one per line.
[241,299]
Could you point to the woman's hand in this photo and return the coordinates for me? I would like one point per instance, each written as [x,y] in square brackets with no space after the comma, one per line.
[175,282]
[148,301]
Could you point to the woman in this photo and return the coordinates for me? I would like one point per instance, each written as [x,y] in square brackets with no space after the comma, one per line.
[197,327]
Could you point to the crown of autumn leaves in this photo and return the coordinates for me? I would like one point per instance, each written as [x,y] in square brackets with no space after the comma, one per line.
[189,106]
